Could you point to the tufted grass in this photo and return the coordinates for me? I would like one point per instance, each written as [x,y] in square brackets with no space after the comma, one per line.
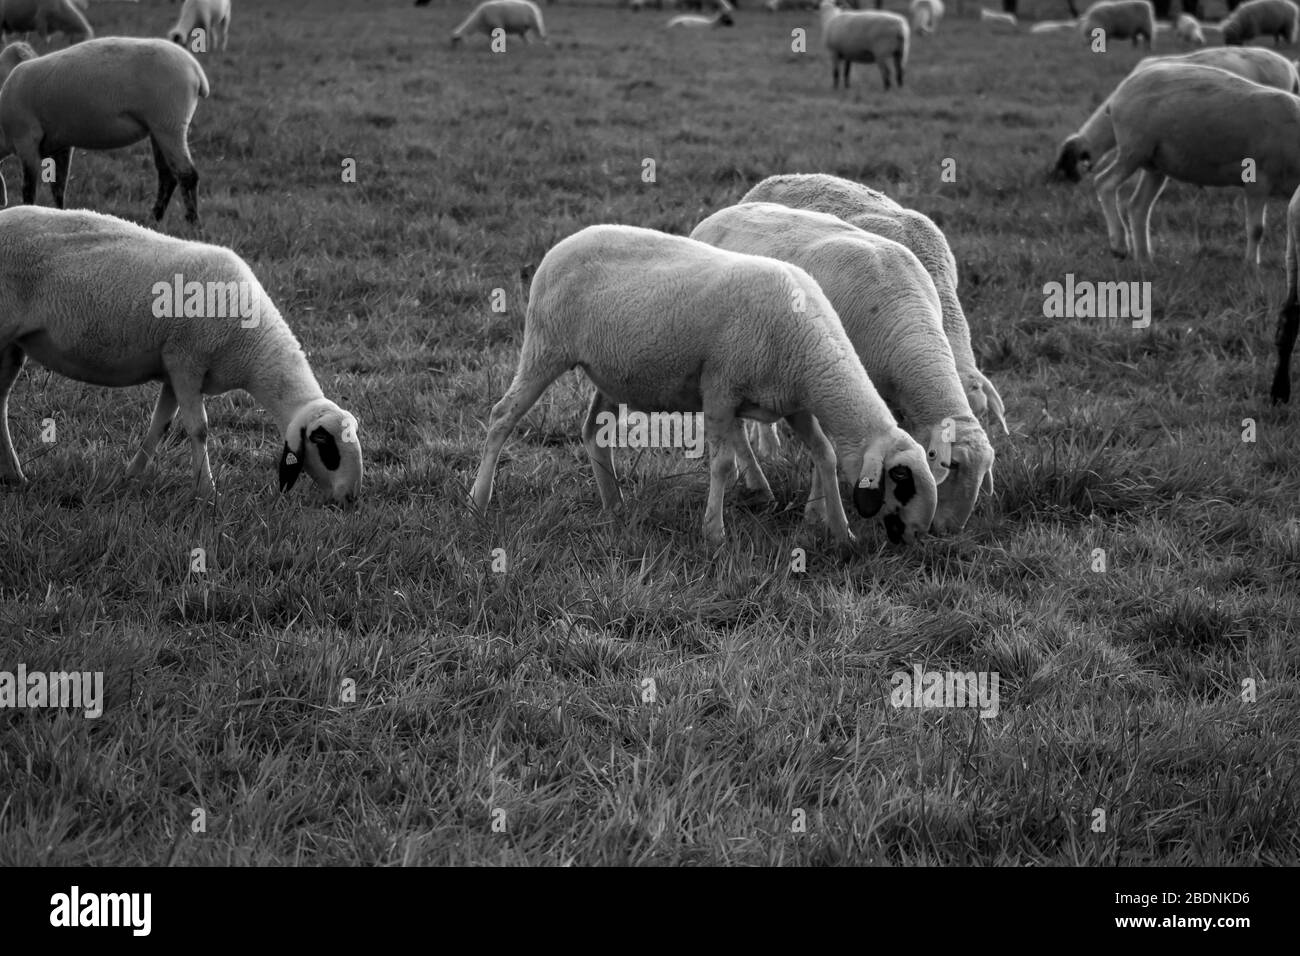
[522,691]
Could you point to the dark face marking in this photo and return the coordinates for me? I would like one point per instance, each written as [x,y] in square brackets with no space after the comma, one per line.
[904,485]
[326,447]
[868,501]
[291,464]
[894,528]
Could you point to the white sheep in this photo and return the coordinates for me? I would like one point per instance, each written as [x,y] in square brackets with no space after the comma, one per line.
[1199,125]
[105,93]
[107,302]
[1120,20]
[1188,30]
[999,18]
[518,17]
[890,309]
[1055,26]
[660,322]
[867,36]
[875,212]
[926,15]
[693,22]
[1089,146]
[1279,19]
[45,17]
[201,15]
[1288,322]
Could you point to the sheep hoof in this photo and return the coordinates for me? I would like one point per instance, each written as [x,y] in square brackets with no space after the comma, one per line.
[15,480]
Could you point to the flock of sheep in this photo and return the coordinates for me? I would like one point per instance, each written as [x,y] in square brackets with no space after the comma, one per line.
[815,301]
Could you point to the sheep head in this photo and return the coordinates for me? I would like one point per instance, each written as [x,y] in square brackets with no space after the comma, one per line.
[1074,159]
[961,460]
[322,438]
[895,477]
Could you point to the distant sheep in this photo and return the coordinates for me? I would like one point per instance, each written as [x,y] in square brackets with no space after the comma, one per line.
[869,36]
[1188,30]
[660,322]
[44,17]
[1055,26]
[875,212]
[92,297]
[996,17]
[210,16]
[926,15]
[1279,19]
[104,94]
[517,17]
[1120,20]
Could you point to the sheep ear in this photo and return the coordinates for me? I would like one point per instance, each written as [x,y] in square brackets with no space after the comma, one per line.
[326,447]
[869,495]
[996,408]
[987,483]
[291,463]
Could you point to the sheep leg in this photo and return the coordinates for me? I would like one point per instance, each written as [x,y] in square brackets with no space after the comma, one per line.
[810,433]
[62,163]
[225,32]
[12,358]
[164,411]
[750,470]
[1256,209]
[1288,325]
[898,66]
[718,428]
[530,381]
[601,455]
[195,419]
[884,72]
[1108,182]
[31,161]
[1150,185]
[847,64]
[171,151]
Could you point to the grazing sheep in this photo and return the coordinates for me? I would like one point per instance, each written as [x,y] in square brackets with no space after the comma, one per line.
[1055,26]
[1188,30]
[1279,19]
[1120,20]
[690,22]
[868,36]
[774,5]
[926,15]
[890,309]
[1288,322]
[877,213]
[1199,125]
[44,17]
[104,94]
[205,15]
[1095,138]
[999,18]
[99,299]
[660,322]
[518,17]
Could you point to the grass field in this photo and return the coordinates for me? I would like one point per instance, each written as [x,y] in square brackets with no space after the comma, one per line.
[522,692]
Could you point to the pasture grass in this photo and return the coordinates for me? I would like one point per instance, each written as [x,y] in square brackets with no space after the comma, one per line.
[521,691]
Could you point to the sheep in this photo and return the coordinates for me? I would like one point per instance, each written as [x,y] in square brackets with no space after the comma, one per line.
[1188,29]
[890,310]
[45,17]
[1288,321]
[1199,125]
[926,15]
[661,322]
[1279,19]
[723,18]
[104,94]
[205,16]
[99,300]
[997,17]
[868,36]
[877,213]
[1120,20]
[519,17]
[1055,26]
[1095,138]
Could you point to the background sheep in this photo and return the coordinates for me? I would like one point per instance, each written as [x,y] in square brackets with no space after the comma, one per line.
[1055,26]
[1198,132]
[1188,30]
[1288,322]
[1279,19]
[1121,20]
[1089,146]
[926,15]
[875,212]
[205,15]
[79,294]
[868,36]
[44,17]
[517,17]
[104,94]
[660,322]
[890,309]
[722,19]
[998,18]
